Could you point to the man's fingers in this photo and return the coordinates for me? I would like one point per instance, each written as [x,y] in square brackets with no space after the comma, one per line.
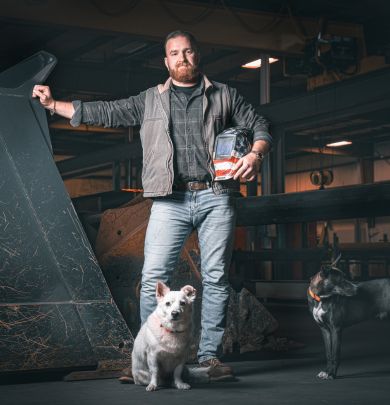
[40,87]
[245,172]
[238,164]
[240,171]
[44,94]
[37,93]
[42,97]
[40,91]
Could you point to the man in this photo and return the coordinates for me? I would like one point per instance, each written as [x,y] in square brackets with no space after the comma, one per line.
[179,122]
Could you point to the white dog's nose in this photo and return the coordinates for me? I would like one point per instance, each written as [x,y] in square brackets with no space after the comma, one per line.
[175,314]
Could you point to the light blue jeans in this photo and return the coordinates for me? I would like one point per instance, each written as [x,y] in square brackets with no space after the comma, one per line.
[171,221]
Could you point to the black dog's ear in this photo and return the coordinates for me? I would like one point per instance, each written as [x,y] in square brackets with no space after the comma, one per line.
[335,260]
[346,288]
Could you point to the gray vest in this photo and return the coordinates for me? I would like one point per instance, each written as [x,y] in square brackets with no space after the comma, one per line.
[157,171]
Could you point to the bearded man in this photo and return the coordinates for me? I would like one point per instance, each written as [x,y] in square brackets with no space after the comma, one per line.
[179,122]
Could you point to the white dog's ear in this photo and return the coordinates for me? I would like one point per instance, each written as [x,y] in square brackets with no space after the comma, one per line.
[190,292]
[161,290]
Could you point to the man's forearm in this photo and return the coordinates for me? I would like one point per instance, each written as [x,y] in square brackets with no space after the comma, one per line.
[261,146]
[63,108]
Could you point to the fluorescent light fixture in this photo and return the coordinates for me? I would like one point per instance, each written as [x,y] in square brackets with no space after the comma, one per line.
[340,143]
[255,64]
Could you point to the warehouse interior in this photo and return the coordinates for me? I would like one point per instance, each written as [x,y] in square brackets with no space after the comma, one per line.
[320,76]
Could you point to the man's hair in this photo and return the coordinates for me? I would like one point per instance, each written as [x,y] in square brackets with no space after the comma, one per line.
[185,34]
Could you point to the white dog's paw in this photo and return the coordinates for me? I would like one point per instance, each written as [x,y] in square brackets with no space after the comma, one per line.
[151,387]
[325,376]
[182,386]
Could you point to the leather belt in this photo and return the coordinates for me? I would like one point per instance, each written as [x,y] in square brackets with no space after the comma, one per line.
[192,186]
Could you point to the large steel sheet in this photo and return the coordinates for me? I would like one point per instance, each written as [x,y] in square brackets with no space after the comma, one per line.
[55,307]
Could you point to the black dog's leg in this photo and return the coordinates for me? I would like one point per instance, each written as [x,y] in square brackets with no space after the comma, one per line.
[336,346]
[332,341]
[328,353]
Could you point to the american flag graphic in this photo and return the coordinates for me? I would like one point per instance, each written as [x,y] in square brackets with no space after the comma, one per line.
[242,139]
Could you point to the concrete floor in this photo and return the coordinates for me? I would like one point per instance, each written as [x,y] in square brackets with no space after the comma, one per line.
[262,378]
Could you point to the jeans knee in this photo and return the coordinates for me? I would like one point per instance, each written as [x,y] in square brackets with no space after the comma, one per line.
[149,281]
[221,285]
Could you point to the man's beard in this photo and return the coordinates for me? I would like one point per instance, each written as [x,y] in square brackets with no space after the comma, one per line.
[184,73]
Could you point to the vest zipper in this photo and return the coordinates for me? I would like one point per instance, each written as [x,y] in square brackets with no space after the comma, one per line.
[170,159]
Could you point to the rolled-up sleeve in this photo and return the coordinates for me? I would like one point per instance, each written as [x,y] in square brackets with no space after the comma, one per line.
[110,114]
[244,114]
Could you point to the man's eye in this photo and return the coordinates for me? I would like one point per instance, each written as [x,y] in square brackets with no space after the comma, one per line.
[168,304]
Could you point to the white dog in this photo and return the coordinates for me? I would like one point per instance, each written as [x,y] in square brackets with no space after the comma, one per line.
[161,346]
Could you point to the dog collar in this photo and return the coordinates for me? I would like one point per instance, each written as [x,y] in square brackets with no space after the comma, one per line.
[171,330]
[314,296]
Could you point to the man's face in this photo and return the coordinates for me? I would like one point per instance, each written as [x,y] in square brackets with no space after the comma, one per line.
[181,60]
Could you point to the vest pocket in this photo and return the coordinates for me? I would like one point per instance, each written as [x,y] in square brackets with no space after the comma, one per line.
[217,123]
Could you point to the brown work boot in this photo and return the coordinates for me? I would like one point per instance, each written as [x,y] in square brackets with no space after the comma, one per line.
[218,371]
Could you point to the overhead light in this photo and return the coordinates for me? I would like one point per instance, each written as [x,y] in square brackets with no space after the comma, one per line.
[255,64]
[340,143]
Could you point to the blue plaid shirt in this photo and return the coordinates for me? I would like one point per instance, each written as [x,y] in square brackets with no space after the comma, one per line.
[186,132]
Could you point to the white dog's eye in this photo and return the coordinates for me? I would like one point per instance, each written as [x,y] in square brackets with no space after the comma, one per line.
[182,303]
[168,304]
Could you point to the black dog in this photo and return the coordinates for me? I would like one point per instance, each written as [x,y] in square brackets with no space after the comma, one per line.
[336,303]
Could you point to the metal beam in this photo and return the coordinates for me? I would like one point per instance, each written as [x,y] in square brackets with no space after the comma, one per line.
[281,255]
[88,47]
[368,200]
[274,33]
[322,151]
[341,101]
[104,78]
[99,159]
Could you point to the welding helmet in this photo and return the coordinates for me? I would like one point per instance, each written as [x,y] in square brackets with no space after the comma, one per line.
[230,145]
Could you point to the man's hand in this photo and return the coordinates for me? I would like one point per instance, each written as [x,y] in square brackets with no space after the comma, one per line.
[44,94]
[63,108]
[247,167]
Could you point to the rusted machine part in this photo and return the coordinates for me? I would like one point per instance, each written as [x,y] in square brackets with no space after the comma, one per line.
[120,244]
[120,250]
[56,310]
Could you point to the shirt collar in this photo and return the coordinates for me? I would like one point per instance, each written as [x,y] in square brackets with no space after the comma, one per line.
[196,90]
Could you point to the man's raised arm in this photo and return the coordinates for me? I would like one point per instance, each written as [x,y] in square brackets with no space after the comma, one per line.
[63,108]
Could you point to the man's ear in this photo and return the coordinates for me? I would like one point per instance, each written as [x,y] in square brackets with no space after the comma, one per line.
[161,290]
[166,62]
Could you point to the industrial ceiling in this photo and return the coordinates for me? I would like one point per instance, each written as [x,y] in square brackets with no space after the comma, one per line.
[109,50]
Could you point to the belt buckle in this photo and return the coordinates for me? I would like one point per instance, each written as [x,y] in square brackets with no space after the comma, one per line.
[197,185]
[191,185]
